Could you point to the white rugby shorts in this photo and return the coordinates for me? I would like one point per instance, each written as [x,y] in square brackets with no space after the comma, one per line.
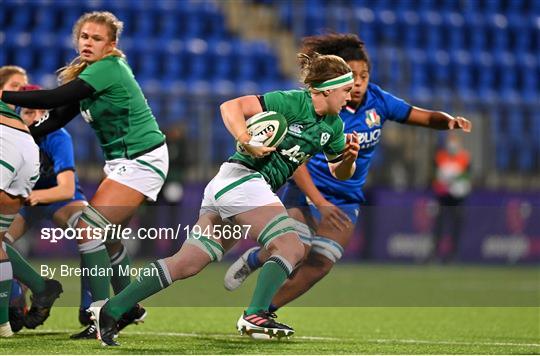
[146,174]
[19,162]
[236,189]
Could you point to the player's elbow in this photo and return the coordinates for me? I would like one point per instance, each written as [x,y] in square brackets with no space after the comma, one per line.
[67,191]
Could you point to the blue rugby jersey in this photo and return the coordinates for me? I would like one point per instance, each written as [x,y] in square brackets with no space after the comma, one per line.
[368,120]
[56,156]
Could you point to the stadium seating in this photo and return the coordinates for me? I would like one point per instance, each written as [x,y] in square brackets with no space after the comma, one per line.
[481,53]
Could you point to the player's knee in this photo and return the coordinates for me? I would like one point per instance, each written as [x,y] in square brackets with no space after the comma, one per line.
[328,250]
[74,219]
[93,218]
[280,236]
[288,246]
[324,266]
[207,244]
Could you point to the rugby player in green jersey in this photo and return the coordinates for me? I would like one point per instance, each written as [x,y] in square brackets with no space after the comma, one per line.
[19,171]
[242,194]
[100,85]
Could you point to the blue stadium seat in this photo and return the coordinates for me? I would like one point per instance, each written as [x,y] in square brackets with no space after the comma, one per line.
[49,60]
[144,26]
[526,156]
[409,31]
[45,19]
[22,18]
[24,57]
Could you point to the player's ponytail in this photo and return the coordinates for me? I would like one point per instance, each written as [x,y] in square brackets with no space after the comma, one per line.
[316,68]
[77,65]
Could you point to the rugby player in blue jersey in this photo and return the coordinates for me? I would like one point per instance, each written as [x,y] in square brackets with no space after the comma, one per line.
[325,208]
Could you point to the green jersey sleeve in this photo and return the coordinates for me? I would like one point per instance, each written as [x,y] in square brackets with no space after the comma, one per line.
[279,101]
[100,75]
[336,144]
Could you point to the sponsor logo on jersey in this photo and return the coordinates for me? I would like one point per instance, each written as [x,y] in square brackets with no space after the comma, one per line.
[87,116]
[325,136]
[369,138]
[42,119]
[372,118]
[296,129]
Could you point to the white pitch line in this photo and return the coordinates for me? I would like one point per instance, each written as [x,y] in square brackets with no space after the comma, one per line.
[313,338]
[220,336]
[172,333]
[443,342]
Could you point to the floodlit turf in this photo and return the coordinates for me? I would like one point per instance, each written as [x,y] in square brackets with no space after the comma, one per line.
[321,330]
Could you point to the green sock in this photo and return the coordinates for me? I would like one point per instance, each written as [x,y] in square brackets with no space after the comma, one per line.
[24,272]
[120,262]
[94,255]
[141,288]
[273,273]
[6,275]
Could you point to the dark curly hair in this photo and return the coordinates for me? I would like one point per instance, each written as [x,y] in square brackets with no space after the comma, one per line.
[347,46]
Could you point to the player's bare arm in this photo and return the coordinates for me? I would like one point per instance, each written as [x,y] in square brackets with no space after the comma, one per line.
[437,120]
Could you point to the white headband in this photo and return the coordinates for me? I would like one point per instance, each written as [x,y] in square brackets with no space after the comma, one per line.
[334,83]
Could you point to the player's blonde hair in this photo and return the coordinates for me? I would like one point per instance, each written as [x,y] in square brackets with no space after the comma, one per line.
[7,72]
[317,68]
[115,26]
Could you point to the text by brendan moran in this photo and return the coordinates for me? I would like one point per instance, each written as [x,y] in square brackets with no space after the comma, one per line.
[69,271]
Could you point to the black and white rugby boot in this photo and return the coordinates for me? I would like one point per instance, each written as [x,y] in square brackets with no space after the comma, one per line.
[42,304]
[89,333]
[263,322]
[105,324]
[135,316]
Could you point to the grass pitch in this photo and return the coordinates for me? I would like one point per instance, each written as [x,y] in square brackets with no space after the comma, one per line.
[358,322]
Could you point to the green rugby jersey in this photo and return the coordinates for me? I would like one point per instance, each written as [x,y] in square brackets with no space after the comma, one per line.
[118,111]
[6,111]
[307,135]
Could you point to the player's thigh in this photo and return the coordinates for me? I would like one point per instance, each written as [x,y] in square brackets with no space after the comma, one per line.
[342,237]
[115,201]
[327,230]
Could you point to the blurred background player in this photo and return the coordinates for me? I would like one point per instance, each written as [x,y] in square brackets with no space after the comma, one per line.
[321,203]
[452,185]
[242,193]
[99,84]
[19,170]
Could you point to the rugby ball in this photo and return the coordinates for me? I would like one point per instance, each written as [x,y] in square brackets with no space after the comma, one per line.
[263,123]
